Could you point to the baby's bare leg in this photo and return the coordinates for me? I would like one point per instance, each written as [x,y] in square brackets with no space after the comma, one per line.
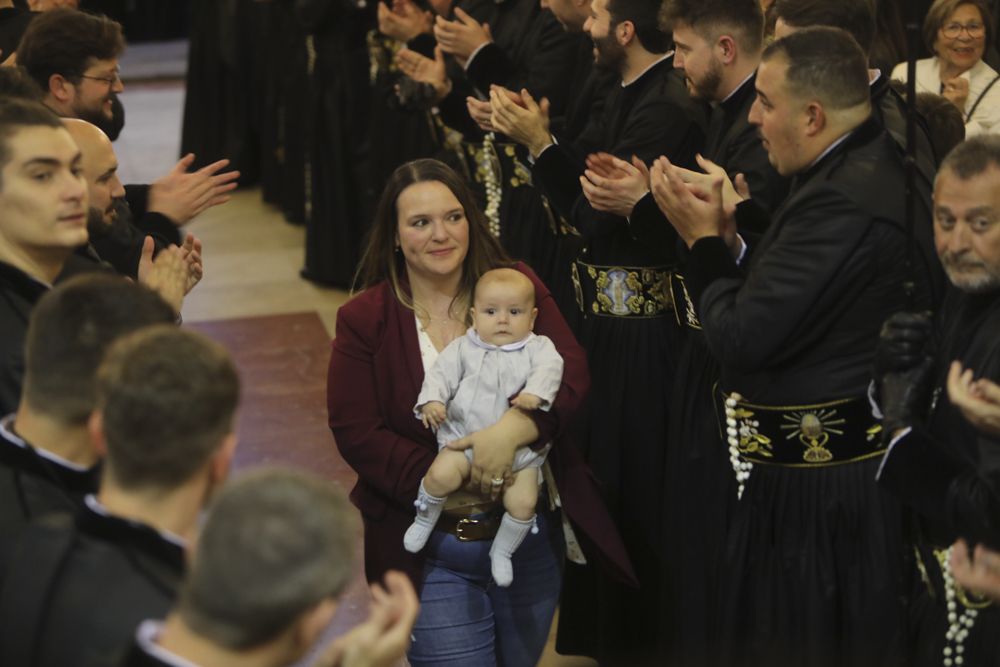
[447,473]
[520,499]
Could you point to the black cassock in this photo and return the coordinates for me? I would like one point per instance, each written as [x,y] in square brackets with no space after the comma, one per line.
[810,572]
[631,336]
[530,50]
[699,482]
[337,126]
[948,473]
[76,589]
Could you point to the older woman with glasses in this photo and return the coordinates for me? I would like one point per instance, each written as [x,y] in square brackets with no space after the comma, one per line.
[958,32]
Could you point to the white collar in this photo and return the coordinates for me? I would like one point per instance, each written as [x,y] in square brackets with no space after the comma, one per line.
[7,431]
[146,636]
[509,347]
[95,506]
[626,84]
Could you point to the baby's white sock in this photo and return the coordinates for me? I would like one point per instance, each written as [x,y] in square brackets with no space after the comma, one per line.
[428,510]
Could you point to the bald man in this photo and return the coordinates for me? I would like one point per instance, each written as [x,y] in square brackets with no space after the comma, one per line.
[115,238]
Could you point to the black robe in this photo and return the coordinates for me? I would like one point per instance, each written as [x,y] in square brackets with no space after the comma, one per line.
[631,360]
[812,561]
[699,481]
[948,474]
[19,293]
[337,126]
[75,590]
[32,485]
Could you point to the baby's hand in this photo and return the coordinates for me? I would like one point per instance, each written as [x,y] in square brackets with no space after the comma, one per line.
[526,401]
[433,414]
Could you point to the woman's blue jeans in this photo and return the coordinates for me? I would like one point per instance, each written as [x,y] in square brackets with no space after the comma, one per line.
[467,620]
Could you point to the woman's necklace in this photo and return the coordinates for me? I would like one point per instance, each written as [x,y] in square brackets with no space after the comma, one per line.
[442,330]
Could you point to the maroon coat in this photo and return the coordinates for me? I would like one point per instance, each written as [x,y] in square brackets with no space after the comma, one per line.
[374,379]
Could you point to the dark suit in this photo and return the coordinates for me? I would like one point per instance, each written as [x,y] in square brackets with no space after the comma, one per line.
[75,590]
[799,326]
[375,376]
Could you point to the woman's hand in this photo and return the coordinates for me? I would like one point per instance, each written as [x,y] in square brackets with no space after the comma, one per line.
[493,450]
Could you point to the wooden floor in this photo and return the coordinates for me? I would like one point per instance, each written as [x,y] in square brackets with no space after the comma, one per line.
[277,326]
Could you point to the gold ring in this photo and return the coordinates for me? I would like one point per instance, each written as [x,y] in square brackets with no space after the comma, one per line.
[497,481]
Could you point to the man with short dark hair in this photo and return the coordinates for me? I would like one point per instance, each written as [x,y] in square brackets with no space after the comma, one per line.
[857,18]
[47,461]
[942,466]
[43,218]
[75,590]
[813,552]
[274,556]
[74,56]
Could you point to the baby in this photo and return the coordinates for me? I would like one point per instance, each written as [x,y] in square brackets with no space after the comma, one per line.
[474,377]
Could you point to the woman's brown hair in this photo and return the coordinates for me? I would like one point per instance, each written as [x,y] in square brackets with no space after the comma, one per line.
[381,261]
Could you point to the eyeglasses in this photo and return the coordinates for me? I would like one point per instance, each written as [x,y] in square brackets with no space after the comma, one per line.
[953,30]
[108,80]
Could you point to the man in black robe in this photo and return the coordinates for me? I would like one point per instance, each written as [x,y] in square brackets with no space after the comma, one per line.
[43,207]
[274,556]
[73,57]
[47,461]
[940,465]
[857,17]
[75,588]
[719,43]
[628,324]
[811,568]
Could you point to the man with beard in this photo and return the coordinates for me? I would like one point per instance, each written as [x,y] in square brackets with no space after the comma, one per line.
[73,56]
[75,589]
[811,566]
[944,467]
[628,325]
[128,250]
[718,43]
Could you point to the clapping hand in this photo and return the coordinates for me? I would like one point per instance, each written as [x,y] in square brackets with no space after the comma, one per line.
[382,640]
[461,37]
[521,118]
[978,400]
[424,70]
[181,195]
[613,185]
[403,21]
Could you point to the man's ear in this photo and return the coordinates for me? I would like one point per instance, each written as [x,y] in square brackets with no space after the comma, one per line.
[815,118]
[222,460]
[61,89]
[625,32]
[725,47]
[95,427]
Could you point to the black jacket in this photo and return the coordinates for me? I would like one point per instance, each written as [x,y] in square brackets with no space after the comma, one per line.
[19,293]
[801,322]
[75,590]
[650,117]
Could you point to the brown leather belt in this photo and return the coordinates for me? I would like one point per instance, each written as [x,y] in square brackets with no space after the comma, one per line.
[470,528]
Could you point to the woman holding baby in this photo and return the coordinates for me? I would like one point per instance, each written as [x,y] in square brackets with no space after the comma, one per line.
[428,248]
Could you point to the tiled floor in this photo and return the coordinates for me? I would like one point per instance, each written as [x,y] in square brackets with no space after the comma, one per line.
[277,326]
